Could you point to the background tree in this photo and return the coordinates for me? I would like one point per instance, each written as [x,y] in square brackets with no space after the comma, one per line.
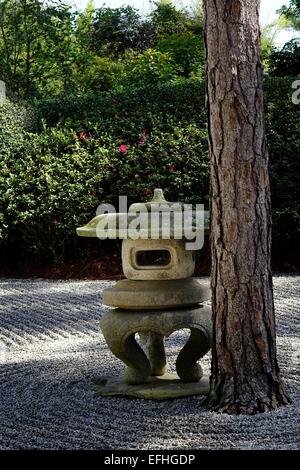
[167,19]
[286,61]
[115,30]
[84,25]
[292,13]
[49,49]
[245,375]
[180,33]
[268,39]
[35,39]
[186,49]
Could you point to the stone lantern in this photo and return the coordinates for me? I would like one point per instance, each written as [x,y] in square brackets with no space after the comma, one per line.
[158,297]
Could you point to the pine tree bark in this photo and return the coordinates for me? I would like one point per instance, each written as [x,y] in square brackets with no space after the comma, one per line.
[245,375]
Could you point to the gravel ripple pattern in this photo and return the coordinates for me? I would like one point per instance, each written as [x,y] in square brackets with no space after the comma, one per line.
[51,347]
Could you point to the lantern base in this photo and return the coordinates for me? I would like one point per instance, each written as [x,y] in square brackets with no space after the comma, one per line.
[119,328]
[168,386]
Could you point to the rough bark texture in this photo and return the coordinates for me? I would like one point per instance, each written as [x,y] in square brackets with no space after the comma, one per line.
[245,374]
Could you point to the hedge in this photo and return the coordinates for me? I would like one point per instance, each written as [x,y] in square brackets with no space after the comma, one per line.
[67,155]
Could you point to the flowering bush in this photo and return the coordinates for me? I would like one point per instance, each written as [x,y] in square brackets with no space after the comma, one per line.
[92,149]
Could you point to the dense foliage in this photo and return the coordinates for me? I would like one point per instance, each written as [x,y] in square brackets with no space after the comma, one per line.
[80,152]
[48,49]
[105,102]
[291,13]
[286,61]
[283,123]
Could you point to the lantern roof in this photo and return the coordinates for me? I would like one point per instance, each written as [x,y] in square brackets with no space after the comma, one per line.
[155,219]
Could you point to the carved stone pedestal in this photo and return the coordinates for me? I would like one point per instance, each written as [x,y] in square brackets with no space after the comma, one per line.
[146,375]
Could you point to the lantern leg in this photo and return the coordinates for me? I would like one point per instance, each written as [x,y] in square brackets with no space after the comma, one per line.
[153,345]
[139,368]
[196,347]
[124,346]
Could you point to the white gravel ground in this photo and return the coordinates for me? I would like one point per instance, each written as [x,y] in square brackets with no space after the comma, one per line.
[51,347]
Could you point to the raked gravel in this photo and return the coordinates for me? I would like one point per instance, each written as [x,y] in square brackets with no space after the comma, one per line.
[51,347]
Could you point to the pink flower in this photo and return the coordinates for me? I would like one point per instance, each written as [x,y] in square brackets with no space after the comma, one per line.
[141,141]
[171,168]
[85,135]
[145,132]
[123,148]
[146,192]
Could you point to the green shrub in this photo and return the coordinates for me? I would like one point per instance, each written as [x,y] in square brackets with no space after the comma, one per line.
[58,180]
[15,119]
[187,51]
[52,181]
[55,180]
[286,61]
[100,74]
[150,68]
[180,100]
[47,192]
[283,123]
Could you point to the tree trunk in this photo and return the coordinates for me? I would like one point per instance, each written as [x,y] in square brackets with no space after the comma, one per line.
[245,375]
